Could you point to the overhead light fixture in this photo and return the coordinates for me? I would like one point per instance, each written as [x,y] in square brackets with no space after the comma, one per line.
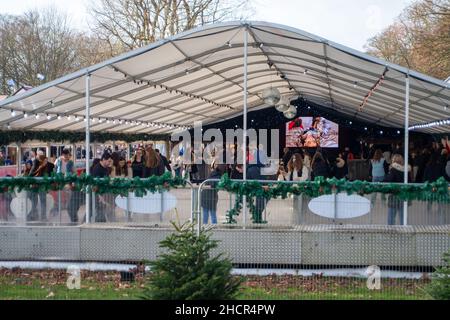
[271,96]
[13,113]
[283,105]
[291,112]
[48,117]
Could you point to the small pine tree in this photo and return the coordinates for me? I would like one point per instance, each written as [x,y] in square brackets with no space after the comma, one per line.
[186,271]
[439,288]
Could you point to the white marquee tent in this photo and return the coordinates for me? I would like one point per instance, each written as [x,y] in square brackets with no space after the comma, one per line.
[199,76]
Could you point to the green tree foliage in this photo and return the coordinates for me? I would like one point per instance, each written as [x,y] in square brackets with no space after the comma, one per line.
[188,271]
[419,39]
[439,288]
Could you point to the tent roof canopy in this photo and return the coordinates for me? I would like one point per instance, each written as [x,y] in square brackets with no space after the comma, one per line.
[198,76]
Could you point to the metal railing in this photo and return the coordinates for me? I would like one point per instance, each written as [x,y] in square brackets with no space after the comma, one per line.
[326,247]
[333,209]
[68,207]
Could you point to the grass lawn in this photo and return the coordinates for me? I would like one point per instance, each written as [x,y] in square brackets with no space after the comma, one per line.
[46,284]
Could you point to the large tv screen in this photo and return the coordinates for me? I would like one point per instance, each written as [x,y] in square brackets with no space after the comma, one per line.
[312,132]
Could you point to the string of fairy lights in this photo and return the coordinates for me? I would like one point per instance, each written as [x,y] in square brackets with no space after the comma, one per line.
[168,89]
[100,120]
[444,122]
[174,90]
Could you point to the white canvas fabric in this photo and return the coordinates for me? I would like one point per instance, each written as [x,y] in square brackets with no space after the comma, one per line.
[198,76]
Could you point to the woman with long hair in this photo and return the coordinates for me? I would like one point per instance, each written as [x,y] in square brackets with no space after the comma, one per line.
[152,163]
[297,171]
[138,163]
[378,166]
[122,170]
[319,166]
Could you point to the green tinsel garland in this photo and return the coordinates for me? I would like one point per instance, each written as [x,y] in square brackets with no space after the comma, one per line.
[12,136]
[434,191]
[100,185]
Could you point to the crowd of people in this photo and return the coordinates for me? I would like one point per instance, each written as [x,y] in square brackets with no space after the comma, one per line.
[146,162]
[384,165]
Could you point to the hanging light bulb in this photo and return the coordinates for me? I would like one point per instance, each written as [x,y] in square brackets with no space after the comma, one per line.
[59,117]
[271,96]
[283,105]
[48,117]
[77,119]
[37,116]
[13,113]
[25,115]
[291,112]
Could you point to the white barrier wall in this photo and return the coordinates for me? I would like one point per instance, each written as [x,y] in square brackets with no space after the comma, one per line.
[303,245]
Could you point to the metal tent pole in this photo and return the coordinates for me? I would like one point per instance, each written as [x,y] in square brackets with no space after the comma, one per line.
[244,175]
[406,150]
[88,142]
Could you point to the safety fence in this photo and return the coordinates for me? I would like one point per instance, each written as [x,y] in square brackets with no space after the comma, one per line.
[324,239]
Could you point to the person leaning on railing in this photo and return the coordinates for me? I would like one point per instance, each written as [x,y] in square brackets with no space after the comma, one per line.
[102,207]
[298,172]
[39,169]
[209,196]
[138,163]
[121,170]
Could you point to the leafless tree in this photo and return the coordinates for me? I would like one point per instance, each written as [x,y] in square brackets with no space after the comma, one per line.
[135,23]
[43,42]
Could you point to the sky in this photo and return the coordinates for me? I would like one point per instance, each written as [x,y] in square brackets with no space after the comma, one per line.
[348,22]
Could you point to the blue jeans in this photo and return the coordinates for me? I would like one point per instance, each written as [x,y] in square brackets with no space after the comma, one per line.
[374,195]
[392,214]
[207,213]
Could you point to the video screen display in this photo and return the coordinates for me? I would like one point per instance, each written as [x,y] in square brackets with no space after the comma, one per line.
[312,132]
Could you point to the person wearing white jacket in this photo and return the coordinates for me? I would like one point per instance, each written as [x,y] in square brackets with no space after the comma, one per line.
[298,172]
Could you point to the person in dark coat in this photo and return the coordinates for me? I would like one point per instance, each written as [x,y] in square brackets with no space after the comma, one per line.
[319,166]
[434,169]
[254,173]
[210,197]
[39,169]
[164,160]
[396,175]
[421,161]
